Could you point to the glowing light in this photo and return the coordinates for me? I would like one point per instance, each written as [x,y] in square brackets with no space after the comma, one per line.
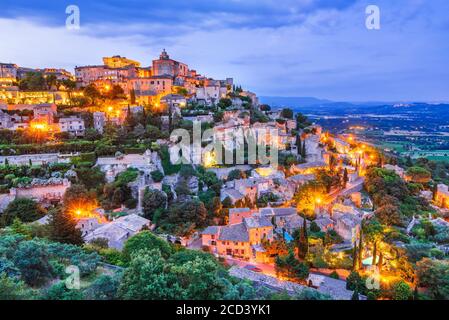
[318,200]
[39,126]
[265,172]
[107,87]
[209,159]
[85,210]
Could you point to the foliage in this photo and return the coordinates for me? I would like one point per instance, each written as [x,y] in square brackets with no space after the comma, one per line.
[91,178]
[27,210]
[150,276]
[13,289]
[236,174]
[307,195]
[419,174]
[401,291]
[63,228]
[287,113]
[145,240]
[157,175]
[291,267]
[127,176]
[104,287]
[31,259]
[183,218]
[59,291]
[434,275]
[152,201]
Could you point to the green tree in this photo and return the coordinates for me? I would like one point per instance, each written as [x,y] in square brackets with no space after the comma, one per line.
[145,240]
[157,175]
[91,178]
[354,282]
[287,113]
[105,287]
[402,291]
[434,275]
[33,81]
[374,233]
[345,178]
[13,289]
[59,291]
[303,245]
[91,92]
[291,267]
[152,201]
[418,174]
[32,260]
[186,217]
[63,228]
[304,150]
[27,210]
[236,174]
[132,95]
[146,279]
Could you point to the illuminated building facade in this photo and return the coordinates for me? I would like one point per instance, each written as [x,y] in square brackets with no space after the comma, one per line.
[8,74]
[116,62]
[164,66]
[442,196]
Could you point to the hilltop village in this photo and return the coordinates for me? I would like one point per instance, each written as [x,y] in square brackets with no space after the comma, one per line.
[87,180]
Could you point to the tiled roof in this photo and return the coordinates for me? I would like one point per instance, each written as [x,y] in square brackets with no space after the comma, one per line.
[211,230]
[233,194]
[278,211]
[234,232]
[257,222]
[238,210]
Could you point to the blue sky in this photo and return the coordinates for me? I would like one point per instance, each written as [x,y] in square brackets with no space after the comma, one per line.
[317,48]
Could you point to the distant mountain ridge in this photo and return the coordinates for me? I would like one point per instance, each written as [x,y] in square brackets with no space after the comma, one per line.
[293,101]
[307,102]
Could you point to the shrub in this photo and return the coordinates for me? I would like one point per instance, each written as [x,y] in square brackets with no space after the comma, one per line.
[157,175]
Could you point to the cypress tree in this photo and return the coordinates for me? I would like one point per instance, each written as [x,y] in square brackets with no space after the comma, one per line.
[298,143]
[345,178]
[355,295]
[133,96]
[354,257]
[303,240]
[416,293]
[303,150]
[63,228]
[434,192]
[360,264]
[144,117]
[381,261]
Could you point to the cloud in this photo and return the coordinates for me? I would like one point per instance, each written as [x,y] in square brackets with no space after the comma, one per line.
[290,48]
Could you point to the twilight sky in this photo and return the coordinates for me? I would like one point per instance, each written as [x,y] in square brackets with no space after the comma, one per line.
[317,48]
